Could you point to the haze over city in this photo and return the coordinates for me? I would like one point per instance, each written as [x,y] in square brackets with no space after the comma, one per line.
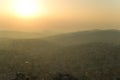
[59,39]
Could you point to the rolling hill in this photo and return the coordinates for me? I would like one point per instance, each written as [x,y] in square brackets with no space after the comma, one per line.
[25,35]
[83,37]
[94,55]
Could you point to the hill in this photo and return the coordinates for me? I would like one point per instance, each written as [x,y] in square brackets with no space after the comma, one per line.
[24,35]
[82,37]
[89,54]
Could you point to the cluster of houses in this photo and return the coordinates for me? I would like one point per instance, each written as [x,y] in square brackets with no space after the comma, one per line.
[59,76]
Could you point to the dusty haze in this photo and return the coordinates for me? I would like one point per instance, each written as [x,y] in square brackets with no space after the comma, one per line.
[64,15]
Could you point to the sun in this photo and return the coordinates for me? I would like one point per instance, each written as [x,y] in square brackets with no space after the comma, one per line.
[26,8]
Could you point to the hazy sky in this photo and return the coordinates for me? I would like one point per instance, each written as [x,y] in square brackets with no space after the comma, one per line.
[63,15]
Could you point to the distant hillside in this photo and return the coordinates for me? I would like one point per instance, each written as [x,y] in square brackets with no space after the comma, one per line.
[83,37]
[92,54]
[28,46]
[24,35]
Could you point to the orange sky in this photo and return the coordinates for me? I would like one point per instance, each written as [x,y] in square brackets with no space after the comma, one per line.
[63,15]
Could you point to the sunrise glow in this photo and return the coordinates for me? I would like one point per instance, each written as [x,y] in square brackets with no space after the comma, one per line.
[26,8]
